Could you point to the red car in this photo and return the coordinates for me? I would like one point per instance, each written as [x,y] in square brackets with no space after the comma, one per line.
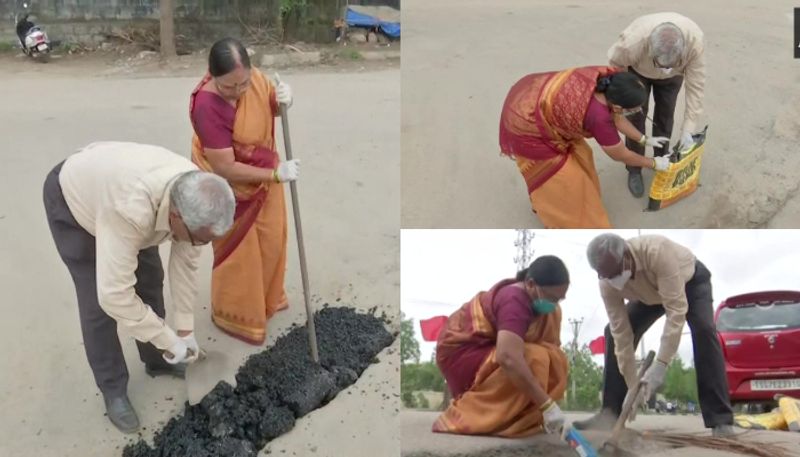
[760,337]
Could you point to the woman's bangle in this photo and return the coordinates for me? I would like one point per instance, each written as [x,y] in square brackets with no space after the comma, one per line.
[546,404]
[275,176]
[643,140]
[654,163]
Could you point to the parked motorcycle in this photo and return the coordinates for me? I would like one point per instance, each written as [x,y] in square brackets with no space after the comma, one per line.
[32,37]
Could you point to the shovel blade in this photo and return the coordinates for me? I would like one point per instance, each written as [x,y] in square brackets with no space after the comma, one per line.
[207,372]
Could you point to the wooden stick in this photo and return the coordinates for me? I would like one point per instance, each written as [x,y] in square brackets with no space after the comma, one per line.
[630,400]
[312,332]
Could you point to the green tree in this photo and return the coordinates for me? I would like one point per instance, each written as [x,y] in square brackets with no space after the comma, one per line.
[421,376]
[293,6]
[408,399]
[588,380]
[409,346]
[680,383]
[422,401]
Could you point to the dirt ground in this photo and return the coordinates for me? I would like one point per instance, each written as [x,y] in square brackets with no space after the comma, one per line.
[349,196]
[419,441]
[460,57]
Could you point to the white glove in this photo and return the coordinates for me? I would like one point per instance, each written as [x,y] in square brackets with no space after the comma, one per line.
[686,141]
[191,345]
[179,352]
[656,141]
[554,419]
[661,163]
[653,378]
[283,92]
[288,171]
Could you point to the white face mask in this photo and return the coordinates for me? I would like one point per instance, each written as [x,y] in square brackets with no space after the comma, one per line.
[619,281]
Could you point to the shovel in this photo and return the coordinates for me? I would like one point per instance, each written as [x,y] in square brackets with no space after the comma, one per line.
[312,332]
[611,447]
[215,366]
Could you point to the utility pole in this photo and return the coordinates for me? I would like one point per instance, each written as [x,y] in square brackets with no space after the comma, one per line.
[576,326]
[524,245]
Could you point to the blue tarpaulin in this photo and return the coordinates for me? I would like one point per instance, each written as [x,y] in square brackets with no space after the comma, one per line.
[356,19]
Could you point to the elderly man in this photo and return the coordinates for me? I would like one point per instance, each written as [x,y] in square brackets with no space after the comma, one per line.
[109,206]
[658,277]
[665,50]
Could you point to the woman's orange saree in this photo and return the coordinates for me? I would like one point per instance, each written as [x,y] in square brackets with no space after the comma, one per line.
[493,405]
[541,127]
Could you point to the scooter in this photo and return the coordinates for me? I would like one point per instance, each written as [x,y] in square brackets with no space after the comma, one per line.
[32,38]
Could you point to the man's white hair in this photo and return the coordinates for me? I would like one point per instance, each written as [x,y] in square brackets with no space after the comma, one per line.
[603,245]
[204,200]
[666,44]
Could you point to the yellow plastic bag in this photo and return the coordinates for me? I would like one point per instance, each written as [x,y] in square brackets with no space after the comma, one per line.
[682,178]
[790,409]
[766,421]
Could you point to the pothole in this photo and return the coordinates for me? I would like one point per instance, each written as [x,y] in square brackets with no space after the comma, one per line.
[273,388]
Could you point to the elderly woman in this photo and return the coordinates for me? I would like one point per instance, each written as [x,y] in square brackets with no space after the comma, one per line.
[502,359]
[233,113]
[543,124]
[665,50]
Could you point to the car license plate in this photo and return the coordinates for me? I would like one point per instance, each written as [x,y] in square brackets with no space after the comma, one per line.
[775,384]
[43,47]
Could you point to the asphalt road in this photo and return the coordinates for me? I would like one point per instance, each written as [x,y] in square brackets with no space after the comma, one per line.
[345,128]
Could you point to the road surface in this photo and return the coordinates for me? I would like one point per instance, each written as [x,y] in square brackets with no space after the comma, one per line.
[345,128]
[419,441]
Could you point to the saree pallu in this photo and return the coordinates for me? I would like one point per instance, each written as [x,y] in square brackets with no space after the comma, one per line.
[493,405]
[247,281]
[541,127]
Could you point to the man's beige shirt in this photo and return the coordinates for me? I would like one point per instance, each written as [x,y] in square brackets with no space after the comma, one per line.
[632,49]
[662,270]
[119,192]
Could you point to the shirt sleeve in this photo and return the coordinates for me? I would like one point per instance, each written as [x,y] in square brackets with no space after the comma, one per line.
[514,314]
[117,248]
[210,124]
[621,331]
[623,53]
[694,82]
[672,289]
[183,259]
[600,125]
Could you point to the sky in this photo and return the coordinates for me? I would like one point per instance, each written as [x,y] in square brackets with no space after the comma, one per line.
[443,269]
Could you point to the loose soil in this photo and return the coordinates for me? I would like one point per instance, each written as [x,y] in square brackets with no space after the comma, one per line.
[274,387]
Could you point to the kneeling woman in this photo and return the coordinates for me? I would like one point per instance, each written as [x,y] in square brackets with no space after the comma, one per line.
[546,117]
[501,356]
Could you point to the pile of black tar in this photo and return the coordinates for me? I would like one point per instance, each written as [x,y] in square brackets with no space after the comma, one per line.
[273,388]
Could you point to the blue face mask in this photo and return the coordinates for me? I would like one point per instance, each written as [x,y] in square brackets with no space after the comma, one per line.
[541,306]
